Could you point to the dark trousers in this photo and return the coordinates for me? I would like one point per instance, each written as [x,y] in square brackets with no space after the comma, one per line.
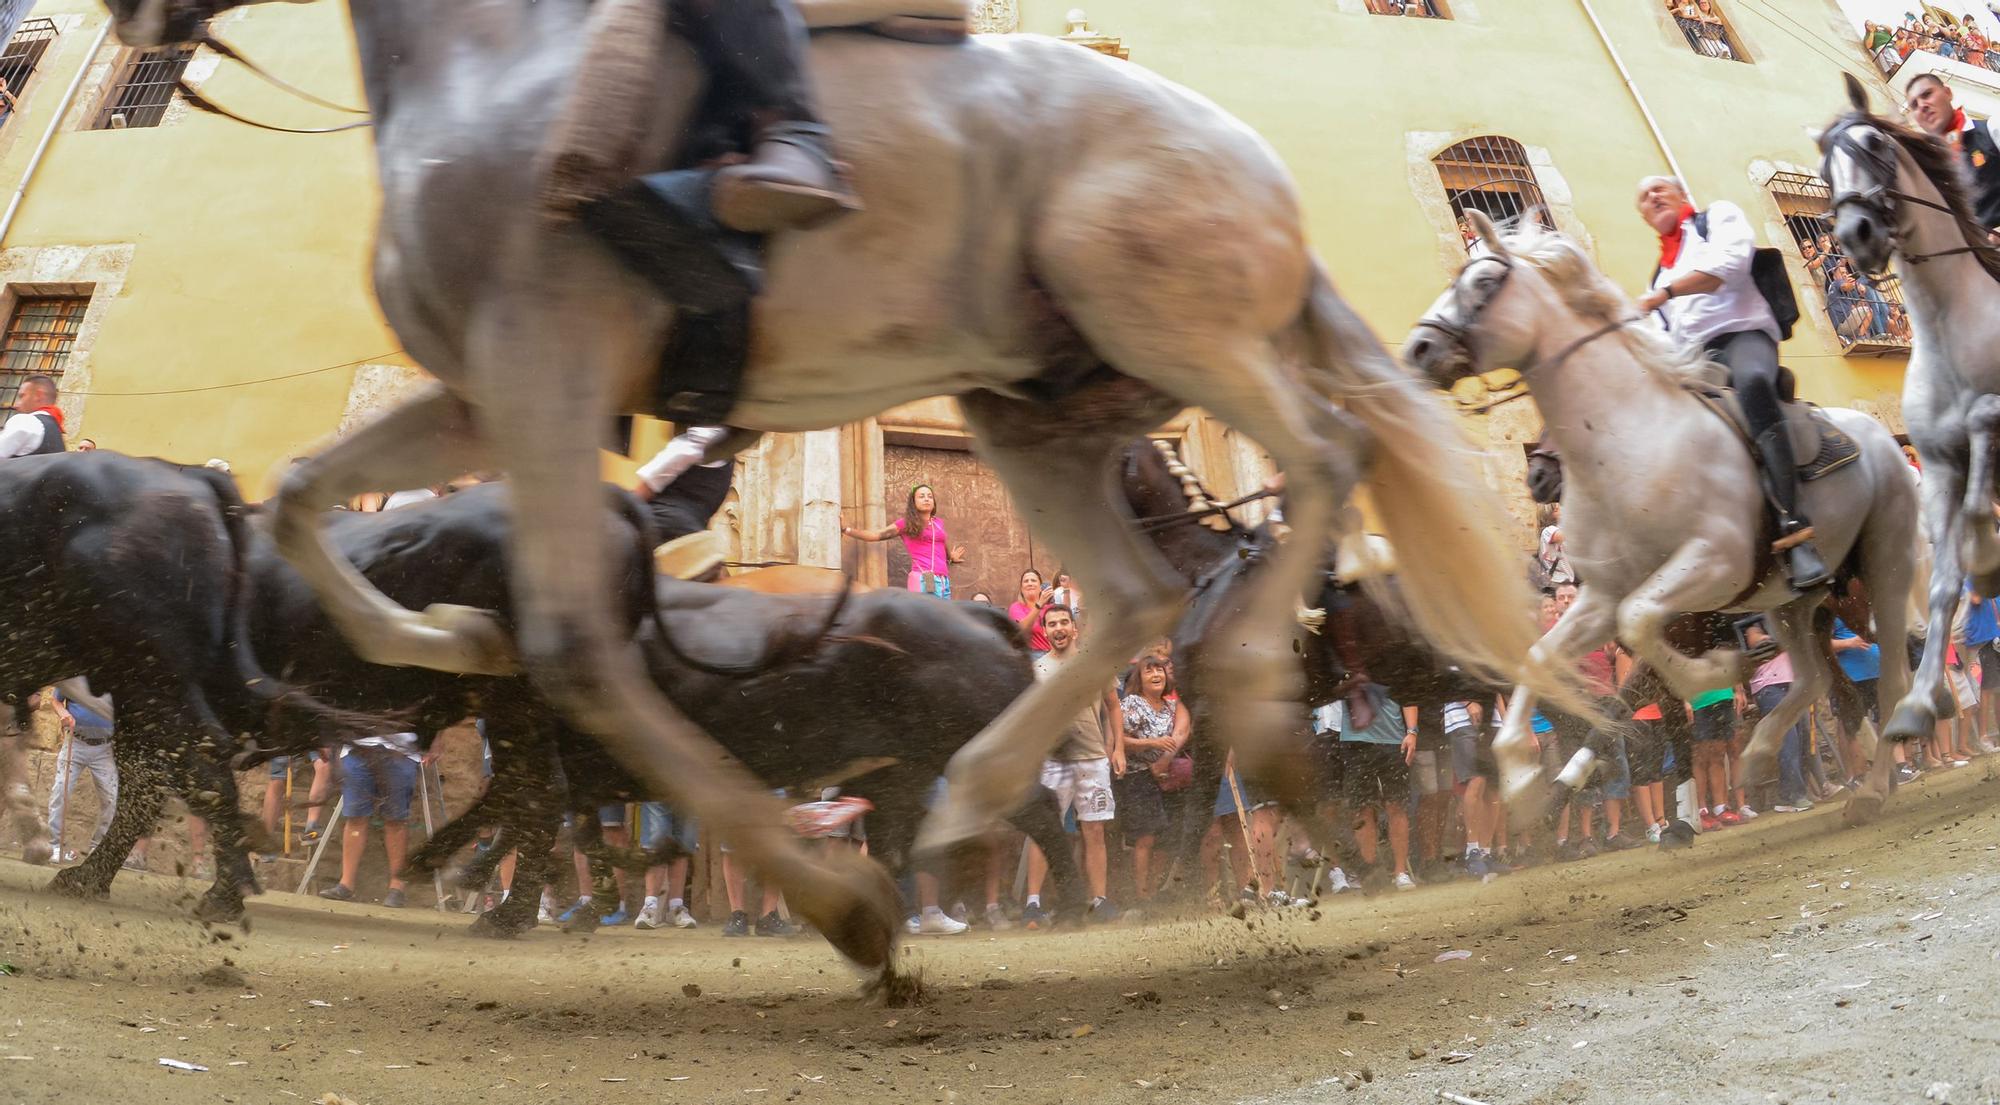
[686,505]
[754,51]
[1752,359]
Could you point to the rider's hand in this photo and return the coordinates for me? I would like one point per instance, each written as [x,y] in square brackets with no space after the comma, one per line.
[1651,300]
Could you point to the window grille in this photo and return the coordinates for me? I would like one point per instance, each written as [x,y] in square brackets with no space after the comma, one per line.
[22,56]
[145,86]
[1419,9]
[1492,174]
[40,334]
[1707,32]
[1868,317]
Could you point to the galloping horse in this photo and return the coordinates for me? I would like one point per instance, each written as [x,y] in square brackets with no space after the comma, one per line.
[1072,246]
[1899,195]
[1662,506]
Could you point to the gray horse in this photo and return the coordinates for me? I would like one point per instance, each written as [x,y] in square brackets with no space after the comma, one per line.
[1072,246]
[1662,508]
[1899,194]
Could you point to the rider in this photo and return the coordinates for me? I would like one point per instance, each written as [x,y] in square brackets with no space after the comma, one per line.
[1705,294]
[754,51]
[1930,104]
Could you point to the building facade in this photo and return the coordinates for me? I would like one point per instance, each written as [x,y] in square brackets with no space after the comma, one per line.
[202,287]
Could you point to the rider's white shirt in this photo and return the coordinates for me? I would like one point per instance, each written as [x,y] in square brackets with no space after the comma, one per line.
[681,454]
[1726,253]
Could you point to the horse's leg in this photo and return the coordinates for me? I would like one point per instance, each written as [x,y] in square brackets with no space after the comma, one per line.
[1584,626]
[1698,576]
[1889,567]
[16,800]
[1981,551]
[1916,715]
[427,440]
[570,637]
[1792,625]
[1064,486]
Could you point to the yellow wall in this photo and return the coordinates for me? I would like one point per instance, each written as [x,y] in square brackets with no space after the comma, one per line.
[1340,92]
[249,250]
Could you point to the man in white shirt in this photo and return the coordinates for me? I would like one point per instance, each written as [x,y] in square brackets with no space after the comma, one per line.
[682,492]
[1705,295]
[36,425]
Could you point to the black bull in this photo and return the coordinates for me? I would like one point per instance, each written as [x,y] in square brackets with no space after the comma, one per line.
[130,571]
[872,691]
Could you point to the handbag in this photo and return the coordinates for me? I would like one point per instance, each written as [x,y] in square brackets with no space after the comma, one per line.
[1175,774]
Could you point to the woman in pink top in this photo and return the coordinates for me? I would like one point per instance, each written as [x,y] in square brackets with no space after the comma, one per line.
[1027,611]
[922,531]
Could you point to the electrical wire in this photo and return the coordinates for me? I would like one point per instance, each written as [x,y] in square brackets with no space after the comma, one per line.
[242,383]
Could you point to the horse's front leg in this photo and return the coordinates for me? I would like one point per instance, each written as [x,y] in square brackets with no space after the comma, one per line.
[427,440]
[1698,576]
[1916,716]
[1584,626]
[1980,541]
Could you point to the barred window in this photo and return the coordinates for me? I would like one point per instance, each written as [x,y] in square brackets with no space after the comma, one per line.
[1491,173]
[1418,9]
[144,87]
[1707,32]
[1868,317]
[39,336]
[21,58]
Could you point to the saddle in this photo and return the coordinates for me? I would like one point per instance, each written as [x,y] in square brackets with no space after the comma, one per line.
[1820,447]
[693,556]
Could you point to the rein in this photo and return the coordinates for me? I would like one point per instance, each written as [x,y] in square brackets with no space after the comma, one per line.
[203,103]
[1160,522]
[1873,200]
[1460,334]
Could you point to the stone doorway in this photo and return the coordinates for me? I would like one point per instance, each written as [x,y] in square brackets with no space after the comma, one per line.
[977,514]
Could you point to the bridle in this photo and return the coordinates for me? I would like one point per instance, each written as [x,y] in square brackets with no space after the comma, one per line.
[1459,334]
[188,21]
[1881,197]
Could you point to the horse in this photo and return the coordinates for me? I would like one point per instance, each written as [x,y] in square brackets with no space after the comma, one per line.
[1899,197]
[1073,247]
[1661,500]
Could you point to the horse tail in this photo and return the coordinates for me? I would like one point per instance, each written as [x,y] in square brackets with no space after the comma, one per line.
[1465,587]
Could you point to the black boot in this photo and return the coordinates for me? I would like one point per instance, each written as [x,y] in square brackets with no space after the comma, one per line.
[1803,565]
[757,48]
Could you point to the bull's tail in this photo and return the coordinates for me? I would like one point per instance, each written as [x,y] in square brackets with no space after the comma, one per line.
[1467,592]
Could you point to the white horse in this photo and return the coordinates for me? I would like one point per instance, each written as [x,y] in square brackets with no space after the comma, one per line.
[1663,511]
[1072,246]
[1900,195]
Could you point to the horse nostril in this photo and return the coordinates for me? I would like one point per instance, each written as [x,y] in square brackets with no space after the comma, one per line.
[1418,351]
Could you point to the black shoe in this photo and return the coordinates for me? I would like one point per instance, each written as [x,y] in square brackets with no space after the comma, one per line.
[395,898]
[1805,569]
[771,924]
[338,892]
[789,182]
[738,924]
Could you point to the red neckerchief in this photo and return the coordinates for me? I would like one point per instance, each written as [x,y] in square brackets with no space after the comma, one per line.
[52,412]
[1670,244]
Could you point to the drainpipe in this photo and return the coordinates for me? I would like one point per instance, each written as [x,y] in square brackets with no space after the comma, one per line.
[48,136]
[1639,98]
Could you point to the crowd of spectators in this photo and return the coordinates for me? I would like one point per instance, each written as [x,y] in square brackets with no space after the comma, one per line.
[1925,31]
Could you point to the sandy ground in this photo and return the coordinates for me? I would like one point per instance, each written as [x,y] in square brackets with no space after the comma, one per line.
[1785,961]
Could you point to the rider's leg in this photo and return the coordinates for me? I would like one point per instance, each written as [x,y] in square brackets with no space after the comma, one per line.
[756,48]
[1752,357]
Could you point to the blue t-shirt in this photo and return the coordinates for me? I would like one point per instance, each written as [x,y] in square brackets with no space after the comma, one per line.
[1387,728]
[1860,664]
[1982,623]
[88,721]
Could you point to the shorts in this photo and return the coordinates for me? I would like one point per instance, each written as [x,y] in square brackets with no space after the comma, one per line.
[1373,775]
[1083,786]
[279,763]
[1254,797]
[376,781]
[1962,690]
[1472,755]
[1327,769]
[657,823]
[1141,805]
[1431,771]
[940,585]
[611,817]
[1715,722]
[1614,771]
[1989,666]
[1646,752]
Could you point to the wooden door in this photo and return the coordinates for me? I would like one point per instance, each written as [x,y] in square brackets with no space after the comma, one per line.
[976,513]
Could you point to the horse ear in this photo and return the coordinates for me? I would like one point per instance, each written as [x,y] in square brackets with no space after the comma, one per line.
[1856,94]
[1487,232]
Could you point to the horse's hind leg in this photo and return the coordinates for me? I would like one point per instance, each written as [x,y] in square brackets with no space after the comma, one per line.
[17,802]
[1981,552]
[427,440]
[1063,485]
[1915,717]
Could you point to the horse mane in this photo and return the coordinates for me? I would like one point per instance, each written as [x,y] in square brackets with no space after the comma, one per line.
[1943,168]
[1585,290]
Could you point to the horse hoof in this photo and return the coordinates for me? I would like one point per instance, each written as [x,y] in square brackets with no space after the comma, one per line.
[38,853]
[221,911]
[583,921]
[1909,722]
[858,910]
[490,926]
[1862,809]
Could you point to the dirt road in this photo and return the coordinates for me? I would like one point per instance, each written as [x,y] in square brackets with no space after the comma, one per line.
[1785,961]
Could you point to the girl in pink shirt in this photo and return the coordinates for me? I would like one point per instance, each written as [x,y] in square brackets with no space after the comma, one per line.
[922,531]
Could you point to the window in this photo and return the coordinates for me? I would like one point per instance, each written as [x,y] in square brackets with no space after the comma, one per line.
[1707,32]
[1417,9]
[1492,174]
[23,54]
[144,88]
[39,336]
[1867,317]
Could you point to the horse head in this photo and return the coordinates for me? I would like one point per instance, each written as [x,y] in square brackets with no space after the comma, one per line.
[145,23]
[1860,161]
[1485,319]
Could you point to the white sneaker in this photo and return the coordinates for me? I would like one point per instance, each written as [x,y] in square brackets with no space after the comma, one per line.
[1336,883]
[1405,882]
[1800,806]
[544,916]
[681,918]
[1746,813]
[649,916]
[1652,834]
[934,922]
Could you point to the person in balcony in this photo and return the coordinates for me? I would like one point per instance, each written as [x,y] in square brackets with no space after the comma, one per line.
[1973,43]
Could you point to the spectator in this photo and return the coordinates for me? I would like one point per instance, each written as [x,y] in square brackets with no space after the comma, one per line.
[1768,686]
[1980,634]
[1080,774]
[378,776]
[87,723]
[930,548]
[1155,730]
[1645,746]
[1553,559]
[36,426]
[1880,44]
[85,445]
[1256,863]
[770,922]
[657,825]
[1066,593]
[1431,778]
[1930,104]
[322,785]
[1714,728]
[616,834]
[1478,775]
[1973,43]
[1375,766]
[982,598]
[1847,304]
[1027,612]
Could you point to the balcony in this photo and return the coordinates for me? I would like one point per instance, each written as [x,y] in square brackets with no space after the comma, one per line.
[1708,37]
[1974,51]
